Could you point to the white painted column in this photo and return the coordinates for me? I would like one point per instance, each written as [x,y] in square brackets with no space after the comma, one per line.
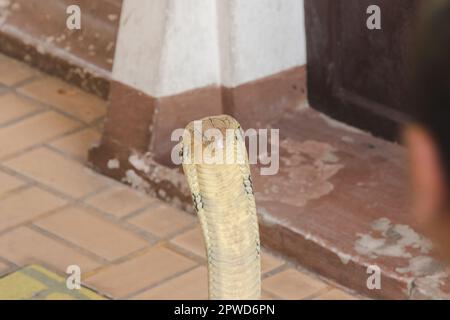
[166,47]
[260,38]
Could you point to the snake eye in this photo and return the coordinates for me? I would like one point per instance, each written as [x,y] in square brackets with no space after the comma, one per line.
[239,134]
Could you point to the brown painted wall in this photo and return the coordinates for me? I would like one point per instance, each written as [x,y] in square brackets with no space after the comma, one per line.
[357,75]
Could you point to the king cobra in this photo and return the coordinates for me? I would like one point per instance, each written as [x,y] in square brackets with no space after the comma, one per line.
[223,198]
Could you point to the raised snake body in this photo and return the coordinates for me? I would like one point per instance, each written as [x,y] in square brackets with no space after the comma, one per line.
[223,198]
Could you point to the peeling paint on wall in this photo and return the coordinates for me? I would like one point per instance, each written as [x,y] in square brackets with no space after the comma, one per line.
[387,239]
[394,240]
[268,218]
[345,258]
[157,174]
[113,164]
[422,266]
[431,287]
[305,171]
[136,182]
[139,163]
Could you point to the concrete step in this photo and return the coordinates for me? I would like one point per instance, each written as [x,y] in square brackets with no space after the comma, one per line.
[339,206]
[35,32]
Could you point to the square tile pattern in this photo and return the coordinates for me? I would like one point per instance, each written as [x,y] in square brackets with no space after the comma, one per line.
[92,233]
[14,107]
[294,285]
[78,143]
[55,212]
[12,72]
[26,204]
[152,267]
[57,172]
[120,201]
[66,98]
[33,131]
[192,285]
[162,221]
[24,246]
[9,183]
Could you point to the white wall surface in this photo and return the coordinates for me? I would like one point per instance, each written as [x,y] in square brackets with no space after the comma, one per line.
[267,36]
[190,50]
[167,47]
[139,43]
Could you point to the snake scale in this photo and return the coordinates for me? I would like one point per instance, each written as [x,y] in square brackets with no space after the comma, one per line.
[223,198]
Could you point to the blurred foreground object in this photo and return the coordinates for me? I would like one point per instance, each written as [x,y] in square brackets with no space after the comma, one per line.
[429,138]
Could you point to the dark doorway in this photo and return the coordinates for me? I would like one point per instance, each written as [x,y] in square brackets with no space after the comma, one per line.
[357,75]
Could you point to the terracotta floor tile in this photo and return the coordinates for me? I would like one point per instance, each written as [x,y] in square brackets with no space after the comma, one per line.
[192,285]
[14,107]
[67,98]
[12,71]
[33,130]
[269,262]
[163,220]
[8,183]
[192,241]
[135,274]
[4,268]
[120,201]
[336,294]
[79,143]
[58,172]
[24,246]
[92,233]
[293,285]
[25,205]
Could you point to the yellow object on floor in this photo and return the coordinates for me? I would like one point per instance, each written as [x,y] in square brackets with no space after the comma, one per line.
[37,283]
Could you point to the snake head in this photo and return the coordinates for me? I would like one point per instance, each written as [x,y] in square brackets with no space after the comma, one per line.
[208,140]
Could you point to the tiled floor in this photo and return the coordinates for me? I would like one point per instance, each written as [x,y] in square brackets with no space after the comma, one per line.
[56,212]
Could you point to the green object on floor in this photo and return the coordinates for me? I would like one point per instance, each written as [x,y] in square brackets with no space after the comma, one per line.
[37,283]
